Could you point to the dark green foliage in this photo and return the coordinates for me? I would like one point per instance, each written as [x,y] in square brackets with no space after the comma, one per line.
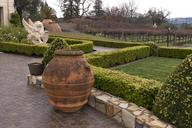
[58,43]
[70,8]
[174,52]
[25,49]
[28,8]
[109,59]
[130,88]
[98,8]
[174,100]
[16,34]
[47,12]
[15,19]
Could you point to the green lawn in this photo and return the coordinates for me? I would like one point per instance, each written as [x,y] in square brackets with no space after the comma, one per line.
[157,68]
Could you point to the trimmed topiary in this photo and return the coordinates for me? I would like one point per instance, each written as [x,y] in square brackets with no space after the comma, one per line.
[174,100]
[58,43]
[131,88]
[120,56]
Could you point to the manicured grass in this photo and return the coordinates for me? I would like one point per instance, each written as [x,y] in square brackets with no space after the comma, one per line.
[157,68]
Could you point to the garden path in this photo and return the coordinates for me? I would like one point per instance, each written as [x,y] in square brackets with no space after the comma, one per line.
[103,49]
[23,106]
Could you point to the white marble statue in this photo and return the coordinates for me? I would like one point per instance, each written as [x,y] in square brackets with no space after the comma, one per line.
[36,31]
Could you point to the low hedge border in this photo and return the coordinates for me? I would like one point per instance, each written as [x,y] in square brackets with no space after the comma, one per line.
[131,88]
[174,52]
[39,50]
[69,41]
[121,56]
[153,47]
[25,49]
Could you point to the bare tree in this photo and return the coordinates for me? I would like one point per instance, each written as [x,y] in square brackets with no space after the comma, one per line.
[128,10]
[85,6]
[113,11]
[158,16]
[113,14]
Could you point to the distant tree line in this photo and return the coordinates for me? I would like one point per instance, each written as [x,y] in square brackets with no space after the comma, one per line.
[127,11]
[38,9]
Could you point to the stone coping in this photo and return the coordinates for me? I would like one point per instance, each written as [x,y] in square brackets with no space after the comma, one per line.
[128,114]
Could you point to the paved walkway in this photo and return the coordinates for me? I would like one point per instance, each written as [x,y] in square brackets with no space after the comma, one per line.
[22,106]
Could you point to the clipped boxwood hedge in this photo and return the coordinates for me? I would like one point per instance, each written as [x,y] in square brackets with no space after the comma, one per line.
[26,49]
[86,46]
[131,88]
[153,46]
[39,50]
[174,100]
[121,56]
[174,52]
[69,41]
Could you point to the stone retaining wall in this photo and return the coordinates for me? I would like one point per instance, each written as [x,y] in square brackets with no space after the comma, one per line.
[127,114]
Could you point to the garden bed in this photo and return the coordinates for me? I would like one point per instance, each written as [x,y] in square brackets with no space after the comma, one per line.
[130,88]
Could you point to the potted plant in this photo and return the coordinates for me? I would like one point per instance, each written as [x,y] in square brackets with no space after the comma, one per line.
[36,68]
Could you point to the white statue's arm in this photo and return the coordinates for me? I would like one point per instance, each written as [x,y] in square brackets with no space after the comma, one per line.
[30,22]
[28,27]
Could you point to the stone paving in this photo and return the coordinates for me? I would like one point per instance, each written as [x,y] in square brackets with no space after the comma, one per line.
[23,106]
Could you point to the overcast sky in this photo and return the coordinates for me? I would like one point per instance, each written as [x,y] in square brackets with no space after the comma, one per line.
[178,8]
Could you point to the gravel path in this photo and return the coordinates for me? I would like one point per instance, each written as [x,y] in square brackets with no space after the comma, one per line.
[22,106]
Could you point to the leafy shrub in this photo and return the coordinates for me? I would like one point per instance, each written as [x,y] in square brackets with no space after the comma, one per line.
[15,19]
[12,33]
[174,52]
[109,59]
[174,100]
[131,88]
[58,43]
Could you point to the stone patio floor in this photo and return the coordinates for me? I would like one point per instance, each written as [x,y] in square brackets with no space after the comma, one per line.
[23,106]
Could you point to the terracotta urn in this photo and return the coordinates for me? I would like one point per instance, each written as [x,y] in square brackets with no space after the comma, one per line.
[51,26]
[68,80]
